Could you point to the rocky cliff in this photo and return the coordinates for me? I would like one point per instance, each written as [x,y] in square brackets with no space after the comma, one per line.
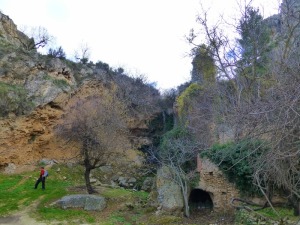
[36,89]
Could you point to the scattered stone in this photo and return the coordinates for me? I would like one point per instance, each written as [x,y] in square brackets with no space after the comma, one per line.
[132,180]
[147,184]
[93,180]
[115,178]
[113,184]
[11,167]
[123,182]
[48,161]
[106,169]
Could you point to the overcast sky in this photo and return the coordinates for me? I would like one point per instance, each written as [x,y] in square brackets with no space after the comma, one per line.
[142,36]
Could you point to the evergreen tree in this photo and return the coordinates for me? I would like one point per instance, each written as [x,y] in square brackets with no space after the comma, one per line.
[254,46]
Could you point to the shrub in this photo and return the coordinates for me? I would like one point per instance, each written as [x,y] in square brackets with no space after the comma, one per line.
[186,97]
[57,53]
[60,83]
[13,98]
[237,161]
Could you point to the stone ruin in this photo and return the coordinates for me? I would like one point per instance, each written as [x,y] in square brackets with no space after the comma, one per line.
[213,190]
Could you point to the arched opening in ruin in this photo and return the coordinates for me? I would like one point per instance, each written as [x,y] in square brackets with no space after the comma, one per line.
[200,199]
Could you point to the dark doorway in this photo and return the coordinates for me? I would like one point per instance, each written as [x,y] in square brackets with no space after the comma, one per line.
[200,199]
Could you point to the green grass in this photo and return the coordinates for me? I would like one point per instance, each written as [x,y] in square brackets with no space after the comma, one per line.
[248,218]
[17,192]
[119,193]
[60,83]
[13,196]
[117,219]
[57,82]
[282,213]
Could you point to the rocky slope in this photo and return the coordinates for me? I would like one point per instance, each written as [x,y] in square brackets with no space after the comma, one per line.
[35,91]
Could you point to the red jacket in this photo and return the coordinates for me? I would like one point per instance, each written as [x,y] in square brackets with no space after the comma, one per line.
[42,173]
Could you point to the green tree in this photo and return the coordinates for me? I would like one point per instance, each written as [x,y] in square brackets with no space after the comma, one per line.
[204,69]
[254,47]
[57,53]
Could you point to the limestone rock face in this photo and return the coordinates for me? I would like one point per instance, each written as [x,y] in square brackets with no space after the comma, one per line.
[36,91]
[9,31]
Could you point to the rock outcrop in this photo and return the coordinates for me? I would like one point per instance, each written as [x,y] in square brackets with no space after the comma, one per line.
[10,33]
[169,197]
[36,90]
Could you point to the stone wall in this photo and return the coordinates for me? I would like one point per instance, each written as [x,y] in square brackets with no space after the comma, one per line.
[213,181]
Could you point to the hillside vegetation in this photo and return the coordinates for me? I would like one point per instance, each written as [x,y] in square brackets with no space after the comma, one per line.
[240,111]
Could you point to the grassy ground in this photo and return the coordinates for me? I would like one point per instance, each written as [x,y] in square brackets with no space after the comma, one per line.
[124,207]
[17,193]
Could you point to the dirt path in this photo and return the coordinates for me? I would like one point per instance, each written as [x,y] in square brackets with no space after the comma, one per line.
[22,217]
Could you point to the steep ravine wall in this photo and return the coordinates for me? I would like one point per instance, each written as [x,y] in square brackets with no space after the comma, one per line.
[51,85]
[27,139]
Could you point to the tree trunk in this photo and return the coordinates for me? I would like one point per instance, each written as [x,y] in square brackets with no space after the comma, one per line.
[295,202]
[184,189]
[186,205]
[89,187]
[297,208]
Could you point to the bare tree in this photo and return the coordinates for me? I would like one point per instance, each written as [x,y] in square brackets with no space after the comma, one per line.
[83,53]
[177,152]
[38,38]
[259,96]
[97,125]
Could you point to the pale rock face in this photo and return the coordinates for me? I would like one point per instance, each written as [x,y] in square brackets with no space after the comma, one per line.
[51,86]
[9,31]
[42,89]
[169,193]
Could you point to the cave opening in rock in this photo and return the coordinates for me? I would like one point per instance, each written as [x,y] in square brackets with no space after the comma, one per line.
[200,199]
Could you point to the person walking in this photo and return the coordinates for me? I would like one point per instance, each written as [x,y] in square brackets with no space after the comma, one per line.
[42,179]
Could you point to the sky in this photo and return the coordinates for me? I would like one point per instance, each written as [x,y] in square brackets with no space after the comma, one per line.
[145,37]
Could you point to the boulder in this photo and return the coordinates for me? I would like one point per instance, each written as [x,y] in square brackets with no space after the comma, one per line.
[147,184]
[131,181]
[169,193]
[122,181]
[85,201]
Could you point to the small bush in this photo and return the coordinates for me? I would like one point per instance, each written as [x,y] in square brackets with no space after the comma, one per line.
[237,161]
[185,98]
[13,98]
[60,83]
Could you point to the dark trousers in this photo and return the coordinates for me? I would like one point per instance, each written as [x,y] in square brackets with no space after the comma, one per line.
[41,179]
